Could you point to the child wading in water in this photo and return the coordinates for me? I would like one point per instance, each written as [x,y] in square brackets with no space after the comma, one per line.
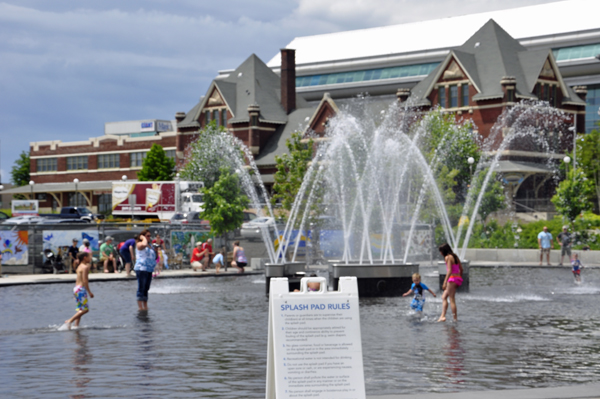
[453,280]
[81,290]
[418,288]
[576,267]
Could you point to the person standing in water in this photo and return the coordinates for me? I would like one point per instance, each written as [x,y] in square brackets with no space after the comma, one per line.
[453,280]
[418,288]
[145,262]
[81,290]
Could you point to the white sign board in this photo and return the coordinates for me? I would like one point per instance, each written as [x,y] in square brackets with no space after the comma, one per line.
[25,207]
[314,348]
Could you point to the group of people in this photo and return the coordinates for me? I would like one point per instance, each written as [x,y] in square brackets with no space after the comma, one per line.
[565,240]
[145,251]
[203,256]
[453,280]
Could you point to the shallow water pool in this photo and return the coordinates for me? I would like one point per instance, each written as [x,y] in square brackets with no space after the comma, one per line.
[207,337]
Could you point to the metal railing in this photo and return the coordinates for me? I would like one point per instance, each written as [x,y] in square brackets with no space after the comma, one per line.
[178,239]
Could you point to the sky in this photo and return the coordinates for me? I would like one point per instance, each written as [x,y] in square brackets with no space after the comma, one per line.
[69,66]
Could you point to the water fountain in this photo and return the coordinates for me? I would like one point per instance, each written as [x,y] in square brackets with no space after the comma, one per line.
[371,176]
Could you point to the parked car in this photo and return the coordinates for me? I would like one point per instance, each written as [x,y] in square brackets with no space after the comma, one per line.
[3,217]
[194,218]
[74,212]
[70,221]
[178,218]
[25,219]
[252,230]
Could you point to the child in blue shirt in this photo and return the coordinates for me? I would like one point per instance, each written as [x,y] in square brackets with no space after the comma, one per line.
[417,288]
[576,267]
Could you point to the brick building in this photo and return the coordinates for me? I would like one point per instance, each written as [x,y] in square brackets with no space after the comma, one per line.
[95,163]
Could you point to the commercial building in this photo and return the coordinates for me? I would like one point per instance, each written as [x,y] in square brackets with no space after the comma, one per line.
[80,173]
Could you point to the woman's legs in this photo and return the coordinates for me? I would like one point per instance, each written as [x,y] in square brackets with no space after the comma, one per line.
[451,295]
[444,304]
[144,280]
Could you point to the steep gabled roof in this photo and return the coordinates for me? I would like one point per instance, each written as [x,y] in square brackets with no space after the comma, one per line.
[256,83]
[252,83]
[488,56]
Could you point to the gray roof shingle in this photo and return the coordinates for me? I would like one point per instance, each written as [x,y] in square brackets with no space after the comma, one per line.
[488,56]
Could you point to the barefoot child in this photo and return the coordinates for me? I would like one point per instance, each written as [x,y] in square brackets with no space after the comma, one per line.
[81,290]
[453,280]
[576,267]
[417,288]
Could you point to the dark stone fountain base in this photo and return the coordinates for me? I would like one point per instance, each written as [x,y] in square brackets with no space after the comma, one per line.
[375,280]
[294,271]
[442,271]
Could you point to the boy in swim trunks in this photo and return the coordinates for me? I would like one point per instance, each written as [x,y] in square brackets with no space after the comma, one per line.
[417,288]
[81,290]
[576,267]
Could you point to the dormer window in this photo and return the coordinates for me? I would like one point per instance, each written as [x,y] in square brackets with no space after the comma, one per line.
[224,117]
[453,96]
[510,94]
[442,96]
[465,95]
[254,120]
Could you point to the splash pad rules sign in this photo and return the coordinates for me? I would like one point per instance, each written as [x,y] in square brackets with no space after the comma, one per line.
[315,346]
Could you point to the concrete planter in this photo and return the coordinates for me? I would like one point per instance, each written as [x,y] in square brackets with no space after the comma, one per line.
[375,280]
[442,272]
[294,271]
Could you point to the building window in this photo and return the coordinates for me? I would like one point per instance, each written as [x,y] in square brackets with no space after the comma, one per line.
[442,96]
[137,159]
[108,161]
[553,95]
[206,118]
[224,117]
[77,199]
[453,96]
[46,165]
[105,203]
[591,110]
[253,120]
[77,163]
[170,154]
[510,95]
[216,116]
[538,91]
[41,196]
[546,92]
[465,95]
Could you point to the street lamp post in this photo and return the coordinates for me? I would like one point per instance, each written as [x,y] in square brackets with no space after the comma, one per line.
[76,181]
[567,160]
[471,161]
[31,183]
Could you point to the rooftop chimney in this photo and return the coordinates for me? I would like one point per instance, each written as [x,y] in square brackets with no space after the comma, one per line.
[288,79]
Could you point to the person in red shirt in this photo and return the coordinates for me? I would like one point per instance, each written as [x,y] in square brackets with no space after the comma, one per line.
[197,257]
[207,247]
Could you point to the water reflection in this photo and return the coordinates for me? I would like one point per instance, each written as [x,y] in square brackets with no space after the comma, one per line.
[82,358]
[454,355]
[145,341]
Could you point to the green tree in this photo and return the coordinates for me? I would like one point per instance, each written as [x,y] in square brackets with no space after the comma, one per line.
[573,194]
[20,170]
[493,199]
[588,151]
[207,155]
[224,203]
[291,169]
[157,165]
[453,143]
